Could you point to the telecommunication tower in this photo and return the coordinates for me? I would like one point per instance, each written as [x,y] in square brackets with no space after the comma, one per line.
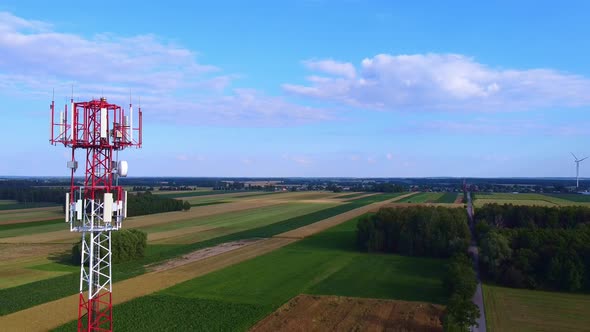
[96,207]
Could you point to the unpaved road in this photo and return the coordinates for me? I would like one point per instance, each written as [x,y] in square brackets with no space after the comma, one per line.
[478,296]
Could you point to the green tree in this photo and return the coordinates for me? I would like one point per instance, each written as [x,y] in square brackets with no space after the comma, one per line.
[494,250]
[460,314]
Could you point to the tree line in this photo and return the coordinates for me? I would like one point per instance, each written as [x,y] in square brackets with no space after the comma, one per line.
[145,203]
[415,231]
[34,194]
[460,282]
[535,247]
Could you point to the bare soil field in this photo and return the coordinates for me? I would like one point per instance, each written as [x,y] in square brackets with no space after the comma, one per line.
[459,199]
[336,313]
[201,254]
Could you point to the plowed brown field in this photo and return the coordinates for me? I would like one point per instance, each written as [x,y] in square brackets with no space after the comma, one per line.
[336,313]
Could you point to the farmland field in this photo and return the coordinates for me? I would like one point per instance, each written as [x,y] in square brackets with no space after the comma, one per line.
[447,198]
[28,215]
[571,197]
[525,199]
[14,205]
[353,195]
[326,263]
[338,313]
[60,287]
[194,230]
[429,198]
[509,309]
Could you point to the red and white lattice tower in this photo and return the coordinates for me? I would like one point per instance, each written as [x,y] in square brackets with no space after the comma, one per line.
[96,207]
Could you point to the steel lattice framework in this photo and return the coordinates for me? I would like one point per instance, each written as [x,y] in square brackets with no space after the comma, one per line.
[97,207]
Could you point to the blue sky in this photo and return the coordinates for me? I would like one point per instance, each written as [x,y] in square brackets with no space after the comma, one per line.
[307,88]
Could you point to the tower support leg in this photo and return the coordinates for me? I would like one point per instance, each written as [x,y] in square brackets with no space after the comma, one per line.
[95,302]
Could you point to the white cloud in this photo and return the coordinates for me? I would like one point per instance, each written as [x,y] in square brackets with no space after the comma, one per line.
[173,85]
[332,67]
[441,82]
[298,159]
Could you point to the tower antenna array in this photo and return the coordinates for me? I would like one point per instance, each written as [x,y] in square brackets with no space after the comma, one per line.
[95,207]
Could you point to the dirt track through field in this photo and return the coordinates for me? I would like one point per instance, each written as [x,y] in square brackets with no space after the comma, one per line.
[56,313]
[336,313]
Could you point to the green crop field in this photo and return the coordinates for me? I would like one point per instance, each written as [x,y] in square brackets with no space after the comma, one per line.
[509,309]
[34,227]
[422,198]
[447,198]
[23,215]
[326,263]
[12,299]
[526,199]
[353,195]
[227,223]
[571,197]
[13,205]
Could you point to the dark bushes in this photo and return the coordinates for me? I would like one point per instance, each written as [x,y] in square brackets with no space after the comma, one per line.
[126,245]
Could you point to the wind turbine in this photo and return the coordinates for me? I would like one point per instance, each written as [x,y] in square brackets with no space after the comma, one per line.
[578,161]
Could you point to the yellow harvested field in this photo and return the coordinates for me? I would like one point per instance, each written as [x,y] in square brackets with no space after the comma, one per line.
[56,313]
[29,215]
[529,202]
[16,260]
[403,205]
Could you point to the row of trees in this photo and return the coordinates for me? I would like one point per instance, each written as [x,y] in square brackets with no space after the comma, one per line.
[460,282]
[34,194]
[126,245]
[521,247]
[147,203]
[415,231]
[513,216]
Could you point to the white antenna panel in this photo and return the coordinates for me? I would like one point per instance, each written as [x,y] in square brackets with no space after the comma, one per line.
[108,208]
[131,123]
[68,207]
[103,123]
[79,209]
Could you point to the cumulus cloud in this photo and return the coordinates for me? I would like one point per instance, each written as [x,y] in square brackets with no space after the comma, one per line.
[332,67]
[168,77]
[440,82]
